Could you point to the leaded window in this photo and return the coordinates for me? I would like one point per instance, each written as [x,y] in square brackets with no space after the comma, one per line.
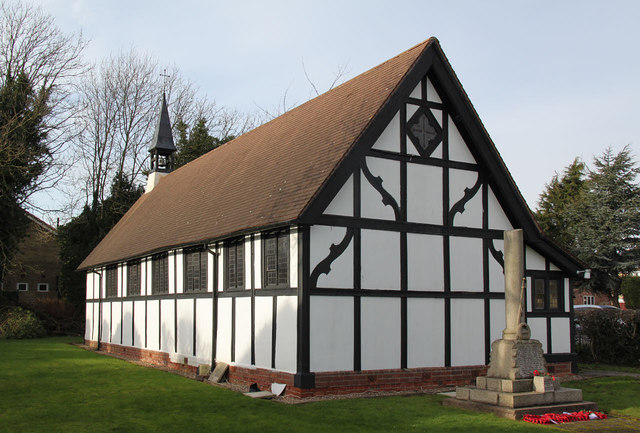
[111,281]
[160,274]
[133,278]
[548,293]
[276,259]
[195,270]
[235,263]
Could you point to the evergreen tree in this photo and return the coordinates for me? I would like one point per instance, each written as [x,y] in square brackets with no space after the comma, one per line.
[605,222]
[24,156]
[198,142]
[83,233]
[559,196]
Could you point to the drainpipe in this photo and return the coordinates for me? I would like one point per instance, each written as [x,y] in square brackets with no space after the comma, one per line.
[93,271]
[214,309]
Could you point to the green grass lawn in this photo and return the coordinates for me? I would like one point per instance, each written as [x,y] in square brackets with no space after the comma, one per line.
[607,367]
[49,385]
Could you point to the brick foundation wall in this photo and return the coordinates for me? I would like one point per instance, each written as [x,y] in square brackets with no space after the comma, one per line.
[332,383]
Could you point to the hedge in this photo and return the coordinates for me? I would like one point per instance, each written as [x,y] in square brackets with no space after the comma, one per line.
[608,336]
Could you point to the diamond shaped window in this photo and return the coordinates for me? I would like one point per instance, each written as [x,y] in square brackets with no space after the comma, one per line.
[424,131]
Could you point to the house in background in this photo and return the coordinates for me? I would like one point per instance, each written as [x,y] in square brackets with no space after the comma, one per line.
[353,243]
[33,274]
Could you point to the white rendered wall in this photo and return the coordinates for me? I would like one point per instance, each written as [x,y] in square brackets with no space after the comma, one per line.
[497,321]
[116,324]
[425,262]
[560,336]
[432,95]
[167,336]
[417,92]
[459,180]
[127,322]
[243,331]
[467,332]
[88,323]
[221,258]
[139,323]
[321,239]
[204,329]
[153,325]
[247,262]
[293,257]
[185,327]
[424,194]
[466,264]
[371,200]
[172,271]
[567,294]
[180,272]
[380,259]
[106,319]
[286,336]
[496,273]
[263,331]
[538,327]
[425,333]
[257,259]
[390,138]
[331,333]
[223,341]
[90,284]
[458,150]
[380,333]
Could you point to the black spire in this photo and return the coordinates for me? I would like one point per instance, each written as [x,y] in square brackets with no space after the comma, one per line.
[162,146]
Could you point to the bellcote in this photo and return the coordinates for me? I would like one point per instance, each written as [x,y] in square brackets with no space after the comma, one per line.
[161,149]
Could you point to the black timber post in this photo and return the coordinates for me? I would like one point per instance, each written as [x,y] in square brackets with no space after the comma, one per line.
[303,378]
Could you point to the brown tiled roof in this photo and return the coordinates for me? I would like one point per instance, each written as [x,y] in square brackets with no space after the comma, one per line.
[263,178]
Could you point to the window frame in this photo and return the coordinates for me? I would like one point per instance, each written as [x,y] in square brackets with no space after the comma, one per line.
[46,289]
[546,278]
[111,281]
[26,287]
[160,263]
[202,260]
[586,298]
[134,264]
[277,234]
[230,244]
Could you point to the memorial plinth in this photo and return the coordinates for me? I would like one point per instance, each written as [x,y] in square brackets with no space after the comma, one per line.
[510,388]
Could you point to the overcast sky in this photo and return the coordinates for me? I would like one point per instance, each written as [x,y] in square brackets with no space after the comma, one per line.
[551,80]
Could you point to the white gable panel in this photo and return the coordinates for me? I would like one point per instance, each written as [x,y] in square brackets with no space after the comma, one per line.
[553,267]
[342,203]
[371,200]
[560,337]
[424,194]
[390,138]
[432,95]
[264,319]
[380,324]
[496,273]
[243,331]
[167,331]
[458,150]
[534,260]
[153,328]
[223,340]
[438,115]
[459,180]
[331,333]
[497,218]
[341,274]
[467,332]
[286,326]
[380,262]
[411,149]
[425,263]
[203,328]
[497,320]
[425,346]
[417,91]
[466,264]
[538,327]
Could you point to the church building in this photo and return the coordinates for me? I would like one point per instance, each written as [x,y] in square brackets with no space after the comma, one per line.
[354,243]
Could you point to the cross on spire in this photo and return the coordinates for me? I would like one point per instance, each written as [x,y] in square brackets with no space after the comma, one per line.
[164,76]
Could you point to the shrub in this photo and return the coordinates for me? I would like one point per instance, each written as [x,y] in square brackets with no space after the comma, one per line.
[16,322]
[631,291]
[608,336]
[59,317]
